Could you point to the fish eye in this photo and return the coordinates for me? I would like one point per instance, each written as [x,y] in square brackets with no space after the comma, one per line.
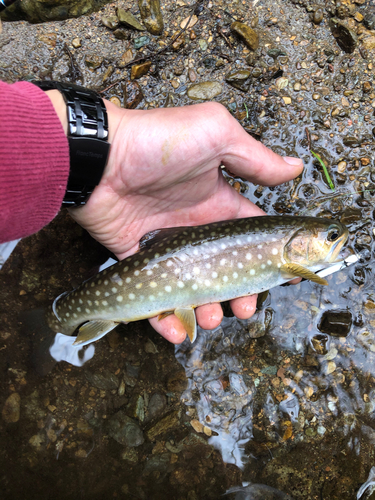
[333,233]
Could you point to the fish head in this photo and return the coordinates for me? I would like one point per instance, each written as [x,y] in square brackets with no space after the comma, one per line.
[317,242]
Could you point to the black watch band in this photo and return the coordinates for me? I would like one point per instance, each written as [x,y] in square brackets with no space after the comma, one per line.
[87,136]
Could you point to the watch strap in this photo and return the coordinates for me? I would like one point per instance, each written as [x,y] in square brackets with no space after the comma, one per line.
[87,136]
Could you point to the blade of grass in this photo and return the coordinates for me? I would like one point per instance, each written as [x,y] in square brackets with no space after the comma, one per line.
[247,111]
[330,183]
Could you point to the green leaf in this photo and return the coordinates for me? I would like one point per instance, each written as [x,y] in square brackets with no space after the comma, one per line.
[247,111]
[330,183]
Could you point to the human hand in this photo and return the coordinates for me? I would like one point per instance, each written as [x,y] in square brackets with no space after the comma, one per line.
[163,171]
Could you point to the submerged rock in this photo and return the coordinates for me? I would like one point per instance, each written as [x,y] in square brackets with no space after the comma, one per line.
[125,430]
[151,16]
[139,70]
[11,408]
[248,35]
[345,37]
[239,80]
[336,323]
[204,90]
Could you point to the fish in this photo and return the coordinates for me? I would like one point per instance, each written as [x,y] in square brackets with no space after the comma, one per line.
[178,269]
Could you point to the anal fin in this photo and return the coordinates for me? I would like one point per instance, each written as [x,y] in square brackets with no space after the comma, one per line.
[93,330]
[187,317]
[302,272]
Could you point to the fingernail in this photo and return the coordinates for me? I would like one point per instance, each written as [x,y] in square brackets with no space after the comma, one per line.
[292,160]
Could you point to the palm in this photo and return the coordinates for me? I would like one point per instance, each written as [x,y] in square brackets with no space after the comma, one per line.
[164,171]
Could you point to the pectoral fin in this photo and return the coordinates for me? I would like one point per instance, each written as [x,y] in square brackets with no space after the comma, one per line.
[93,330]
[302,272]
[187,317]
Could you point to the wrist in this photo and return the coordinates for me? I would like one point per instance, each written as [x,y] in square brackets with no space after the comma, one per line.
[60,107]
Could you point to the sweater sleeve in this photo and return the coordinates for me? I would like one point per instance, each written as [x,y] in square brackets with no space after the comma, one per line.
[34,160]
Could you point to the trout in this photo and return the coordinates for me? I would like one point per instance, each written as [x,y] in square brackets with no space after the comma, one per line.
[178,269]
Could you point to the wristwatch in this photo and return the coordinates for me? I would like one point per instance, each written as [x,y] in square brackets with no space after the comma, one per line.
[87,136]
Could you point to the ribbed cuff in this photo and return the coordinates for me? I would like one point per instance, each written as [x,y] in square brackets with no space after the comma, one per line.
[34,160]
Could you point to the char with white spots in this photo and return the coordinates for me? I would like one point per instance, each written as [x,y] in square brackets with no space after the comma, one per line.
[178,269]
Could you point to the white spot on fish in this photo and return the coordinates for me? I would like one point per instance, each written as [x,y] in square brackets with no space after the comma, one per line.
[136,273]
[244,279]
[106,282]
[269,262]
[235,275]
[67,315]
[279,264]
[222,262]
[105,303]
[263,266]
[214,274]
[180,284]
[260,247]
[119,298]
[169,263]
[275,251]
[96,293]
[131,296]
[153,284]
[88,311]
[235,252]
[80,301]
[196,270]
[157,255]
[207,282]
[248,256]
[146,261]
[208,266]
[164,275]
[225,278]
[151,297]
[89,302]
[114,289]
[195,251]
[195,286]
[149,272]
[168,288]
[249,238]
[252,272]
[188,276]
[128,280]
[106,294]
[138,285]
[222,246]
[240,265]
[259,256]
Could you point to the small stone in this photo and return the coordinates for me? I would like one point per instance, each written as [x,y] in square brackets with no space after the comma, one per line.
[48,39]
[192,22]
[192,75]
[281,83]
[133,95]
[108,73]
[125,430]
[121,34]
[175,83]
[345,103]
[139,70]
[248,35]
[336,323]
[141,42]
[358,17]
[115,100]
[127,18]
[316,96]
[178,43]
[345,37]
[110,22]
[76,42]
[287,100]
[319,343]
[238,79]
[196,425]
[351,141]
[126,58]
[204,90]
[150,347]
[365,161]
[318,16]
[202,44]
[151,16]
[341,167]
[297,86]
[207,431]
[330,367]
[367,87]
[93,61]
[36,441]
[11,408]
[193,35]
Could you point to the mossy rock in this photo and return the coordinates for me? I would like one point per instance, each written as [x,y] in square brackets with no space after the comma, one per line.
[37,11]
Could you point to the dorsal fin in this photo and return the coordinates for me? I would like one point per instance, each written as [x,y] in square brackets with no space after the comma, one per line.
[153,237]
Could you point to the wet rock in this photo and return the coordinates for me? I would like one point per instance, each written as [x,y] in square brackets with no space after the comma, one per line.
[76,42]
[133,95]
[139,70]
[121,34]
[177,381]
[239,80]
[247,34]
[345,37]
[204,90]
[130,455]
[110,22]
[37,11]
[336,323]
[164,425]
[319,343]
[369,18]
[125,430]
[141,42]
[192,22]
[126,58]
[11,408]
[93,61]
[115,100]
[106,381]
[318,15]
[127,18]
[192,75]
[157,404]
[351,215]
[351,141]
[151,16]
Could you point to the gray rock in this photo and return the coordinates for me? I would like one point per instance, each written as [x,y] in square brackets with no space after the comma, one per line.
[127,18]
[204,90]
[239,80]
[110,22]
[151,16]
[106,381]
[157,404]
[125,430]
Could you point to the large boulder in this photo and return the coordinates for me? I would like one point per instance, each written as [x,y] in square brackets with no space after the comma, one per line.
[37,11]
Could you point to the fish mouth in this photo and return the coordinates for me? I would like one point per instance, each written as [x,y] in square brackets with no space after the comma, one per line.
[339,251]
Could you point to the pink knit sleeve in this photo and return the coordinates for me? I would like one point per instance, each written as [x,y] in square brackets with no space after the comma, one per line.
[34,160]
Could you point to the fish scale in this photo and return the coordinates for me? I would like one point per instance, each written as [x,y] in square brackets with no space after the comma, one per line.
[178,269]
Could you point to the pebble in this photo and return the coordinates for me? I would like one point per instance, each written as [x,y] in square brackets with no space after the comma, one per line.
[11,408]
[238,79]
[345,37]
[121,34]
[76,42]
[110,22]
[165,424]
[318,16]
[93,61]
[248,35]
[204,90]
[192,75]
[126,58]
[281,83]
[127,18]
[115,100]
[125,430]
[297,86]
[330,367]
[175,83]
[151,16]
[192,22]
[316,96]
[141,42]
[139,70]
[203,44]
[287,100]
[36,441]
[367,87]
[341,167]
[196,425]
